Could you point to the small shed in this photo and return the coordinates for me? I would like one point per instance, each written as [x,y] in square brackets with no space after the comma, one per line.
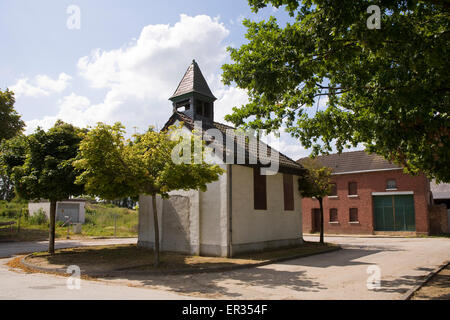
[72,208]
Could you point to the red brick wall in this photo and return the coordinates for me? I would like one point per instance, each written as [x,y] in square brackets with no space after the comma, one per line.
[367,183]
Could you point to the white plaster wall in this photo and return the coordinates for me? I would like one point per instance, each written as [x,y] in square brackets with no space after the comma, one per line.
[213,216]
[249,225]
[145,227]
[82,212]
[33,208]
[194,217]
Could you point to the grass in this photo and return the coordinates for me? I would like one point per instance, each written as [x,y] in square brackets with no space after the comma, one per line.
[99,223]
[130,257]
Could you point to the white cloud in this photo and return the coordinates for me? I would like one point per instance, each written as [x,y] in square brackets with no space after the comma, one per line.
[72,109]
[227,98]
[152,66]
[51,85]
[140,77]
[42,85]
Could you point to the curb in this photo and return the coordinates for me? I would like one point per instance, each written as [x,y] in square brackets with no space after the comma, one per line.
[408,295]
[357,236]
[127,271]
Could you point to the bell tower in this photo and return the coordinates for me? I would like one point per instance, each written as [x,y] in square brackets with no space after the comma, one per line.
[193,96]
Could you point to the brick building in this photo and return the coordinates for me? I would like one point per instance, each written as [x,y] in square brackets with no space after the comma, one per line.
[370,195]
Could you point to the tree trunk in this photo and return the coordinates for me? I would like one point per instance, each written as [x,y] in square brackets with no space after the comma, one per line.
[321,219]
[51,235]
[156,228]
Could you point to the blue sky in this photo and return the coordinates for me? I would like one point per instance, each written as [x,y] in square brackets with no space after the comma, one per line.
[123,63]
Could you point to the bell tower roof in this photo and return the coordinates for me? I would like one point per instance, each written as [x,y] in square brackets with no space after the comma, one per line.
[193,82]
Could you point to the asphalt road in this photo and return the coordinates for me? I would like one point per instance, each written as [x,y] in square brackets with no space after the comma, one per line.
[400,263]
[19,285]
[8,249]
[343,274]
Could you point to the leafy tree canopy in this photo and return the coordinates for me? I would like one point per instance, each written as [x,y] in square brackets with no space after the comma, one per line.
[317,183]
[387,88]
[41,167]
[10,122]
[41,164]
[12,154]
[115,167]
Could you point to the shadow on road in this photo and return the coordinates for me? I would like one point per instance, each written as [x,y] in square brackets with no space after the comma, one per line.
[214,284]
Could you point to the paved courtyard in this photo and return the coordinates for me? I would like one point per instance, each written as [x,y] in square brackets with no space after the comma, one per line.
[343,274]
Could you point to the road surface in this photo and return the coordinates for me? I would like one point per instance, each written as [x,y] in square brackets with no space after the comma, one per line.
[19,285]
[343,274]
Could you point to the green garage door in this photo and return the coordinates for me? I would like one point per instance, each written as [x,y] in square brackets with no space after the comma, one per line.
[394,213]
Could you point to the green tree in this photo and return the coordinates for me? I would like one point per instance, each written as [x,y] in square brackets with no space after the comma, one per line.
[115,167]
[10,121]
[10,126]
[12,154]
[316,184]
[41,167]
[386,88]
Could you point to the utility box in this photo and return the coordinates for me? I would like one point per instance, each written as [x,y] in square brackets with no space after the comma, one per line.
[76,228]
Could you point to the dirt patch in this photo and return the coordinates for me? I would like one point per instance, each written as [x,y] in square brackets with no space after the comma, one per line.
[438,288]
[100,260]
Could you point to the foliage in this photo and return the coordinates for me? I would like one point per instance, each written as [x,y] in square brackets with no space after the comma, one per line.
[317,183]
[38,218]
[12,154]
[6,188]
[11,124]
[47,171]
[100,220]
[12,209]
[41,166]
[386,88]
[116,168]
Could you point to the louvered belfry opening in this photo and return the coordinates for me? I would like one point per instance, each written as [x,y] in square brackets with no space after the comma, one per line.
[193,96]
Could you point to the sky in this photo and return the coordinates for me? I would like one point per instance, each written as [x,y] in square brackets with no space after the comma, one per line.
[87,61]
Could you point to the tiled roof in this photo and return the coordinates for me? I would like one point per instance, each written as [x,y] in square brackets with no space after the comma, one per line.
[193,81]
[354,161]
[286,164]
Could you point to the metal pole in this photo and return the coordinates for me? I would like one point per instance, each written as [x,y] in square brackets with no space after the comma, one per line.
[115,225]
[68,226]
[18,225]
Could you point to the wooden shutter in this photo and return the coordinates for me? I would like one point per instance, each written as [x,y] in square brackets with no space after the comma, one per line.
[288,190]
[352,188]
[259,190]
[353,214]
[333,215]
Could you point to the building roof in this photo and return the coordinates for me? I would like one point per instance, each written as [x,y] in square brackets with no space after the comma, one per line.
[193,81]
[354,161]
[286,164]
[441,190]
